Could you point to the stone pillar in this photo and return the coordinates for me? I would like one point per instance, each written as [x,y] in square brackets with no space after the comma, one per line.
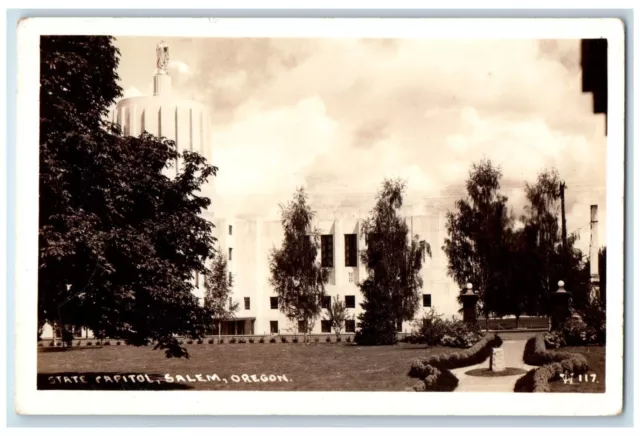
[559,307]
[470,305]
[497,360]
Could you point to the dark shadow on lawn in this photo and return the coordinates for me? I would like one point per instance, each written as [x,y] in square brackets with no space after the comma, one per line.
[105,381]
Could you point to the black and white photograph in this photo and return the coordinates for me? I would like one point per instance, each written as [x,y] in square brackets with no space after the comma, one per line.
[226,210]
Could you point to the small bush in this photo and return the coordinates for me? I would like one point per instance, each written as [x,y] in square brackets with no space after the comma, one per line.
[221,341]
[242,341]
[40,344]
[89,344]
[283,339]
[232,340]
[272,340]
[211,341]
[251,340]
[200,341]
[436,380]
[261,340]
[118,343]
[51,344]
[106,343]
[554,339]
[338,339]
[180,342]
[328,339]
[295,340]
[59,344]
[316,339]
[190,342]
[348,338]
[433,329]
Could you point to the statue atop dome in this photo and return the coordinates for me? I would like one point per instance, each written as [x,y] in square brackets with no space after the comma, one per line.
[162,58]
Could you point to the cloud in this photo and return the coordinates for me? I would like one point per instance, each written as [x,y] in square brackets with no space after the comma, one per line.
[339,115]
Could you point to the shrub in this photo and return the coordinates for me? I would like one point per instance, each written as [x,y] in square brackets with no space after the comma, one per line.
[118,343]
[51,344]
[261,340]
[211,341]
[478,353]
[348,338]
[575,332]
[328,339]
[107,343]
[283,339]
[251,340]
[200,341]
[89,344]
[433,329]
[59,344]
[595,318]
[221,341]
[180,342]
[295,340]
[536,353]
[436,380]
[190,342]
[272,340]
[232,341]
[242,341]
[338,339]
[554,339]
[316,339]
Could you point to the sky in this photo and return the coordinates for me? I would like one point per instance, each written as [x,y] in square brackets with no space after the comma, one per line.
[337,116]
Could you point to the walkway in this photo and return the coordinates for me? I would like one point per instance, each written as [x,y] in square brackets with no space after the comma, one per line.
[513,350]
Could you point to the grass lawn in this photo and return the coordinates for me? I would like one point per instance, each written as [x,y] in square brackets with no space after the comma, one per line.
[596,359]
[310,367]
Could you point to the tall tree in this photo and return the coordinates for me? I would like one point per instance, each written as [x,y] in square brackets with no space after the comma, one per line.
[119,241]
[393,260]
[219,288]
[296,276]
[479,238]
[548,260]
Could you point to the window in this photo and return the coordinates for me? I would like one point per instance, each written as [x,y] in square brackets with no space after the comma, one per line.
[350,276]
[426,300]
[230,278]
[350,326]
[247,303]
[351,250]
[302,326]
[274,302]
[326,302]
[350,301]
[230,253]
[274,327]
[326,249]
[230,303]
[230,230]
[325,326]
[399,326]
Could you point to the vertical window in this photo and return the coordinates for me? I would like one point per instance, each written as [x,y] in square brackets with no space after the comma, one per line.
[325,326]
[327,250]
[247,303]
[399,326]
[274,302]
[302,326]
[230,302]
[351,250]
[326,302]
[274,327]
[426,300]
[350,275]
[230,230]
[230,277]
[350,301]
[350,326]
[230,253]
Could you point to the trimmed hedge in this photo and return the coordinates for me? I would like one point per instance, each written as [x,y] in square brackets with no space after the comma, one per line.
[553,365]
[434,371]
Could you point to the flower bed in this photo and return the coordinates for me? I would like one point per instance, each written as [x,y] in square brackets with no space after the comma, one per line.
[552,365]
[434,371]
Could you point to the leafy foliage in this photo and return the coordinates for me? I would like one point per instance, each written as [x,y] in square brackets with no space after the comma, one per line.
[433,329]
[338,314]
[393,260]
[219,287]
[119,241]
[477,246]
[296,275]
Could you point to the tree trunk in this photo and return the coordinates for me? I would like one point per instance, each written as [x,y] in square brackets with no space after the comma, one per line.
[517,321]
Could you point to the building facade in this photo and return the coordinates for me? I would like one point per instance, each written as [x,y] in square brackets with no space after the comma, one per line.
[249,242]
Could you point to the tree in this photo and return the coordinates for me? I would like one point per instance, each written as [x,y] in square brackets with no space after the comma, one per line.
[547,259]
[479,239]
[219,287]
[393,260]
[338,314]
[119,241]
[296,276]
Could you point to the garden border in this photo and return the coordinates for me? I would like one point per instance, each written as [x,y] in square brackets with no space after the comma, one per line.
[434,371]
[551,365]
